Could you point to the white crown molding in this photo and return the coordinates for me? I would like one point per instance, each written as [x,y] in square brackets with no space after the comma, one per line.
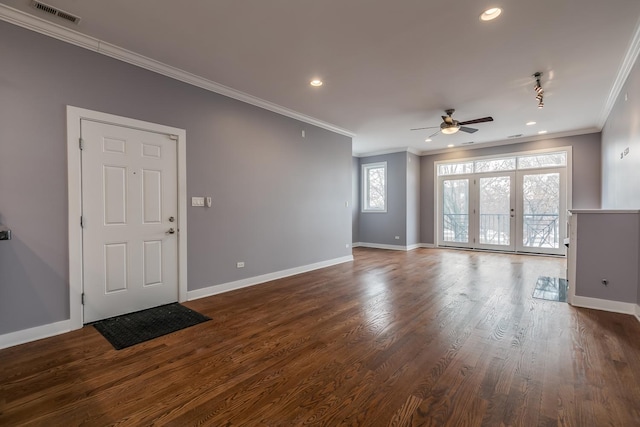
[623,73]
[68,35]
[513,141]
[389,151]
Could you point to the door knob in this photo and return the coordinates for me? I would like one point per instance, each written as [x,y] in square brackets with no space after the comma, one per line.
[171,231]
[171,219]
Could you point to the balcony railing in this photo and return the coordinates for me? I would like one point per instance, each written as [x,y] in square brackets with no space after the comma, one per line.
[539,230]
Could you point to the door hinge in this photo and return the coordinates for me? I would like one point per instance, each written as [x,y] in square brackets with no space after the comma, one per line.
[81,144]
[81,221]
[82,298]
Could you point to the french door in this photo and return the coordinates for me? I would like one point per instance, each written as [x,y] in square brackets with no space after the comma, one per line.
[478,211]
[542,206]
[517,211]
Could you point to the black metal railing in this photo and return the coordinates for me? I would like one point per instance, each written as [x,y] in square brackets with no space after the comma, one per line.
[539,230]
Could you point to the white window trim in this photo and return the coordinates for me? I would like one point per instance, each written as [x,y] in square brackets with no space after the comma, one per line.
[364,175]
[569,177]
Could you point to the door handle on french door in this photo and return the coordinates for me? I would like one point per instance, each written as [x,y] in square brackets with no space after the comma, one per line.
[171,231]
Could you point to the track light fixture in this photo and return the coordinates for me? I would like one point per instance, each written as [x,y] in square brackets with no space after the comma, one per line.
[539,90]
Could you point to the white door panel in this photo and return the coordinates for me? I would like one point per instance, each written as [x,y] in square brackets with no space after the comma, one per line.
[129,194]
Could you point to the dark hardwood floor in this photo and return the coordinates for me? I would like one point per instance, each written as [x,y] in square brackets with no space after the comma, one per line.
[423,338]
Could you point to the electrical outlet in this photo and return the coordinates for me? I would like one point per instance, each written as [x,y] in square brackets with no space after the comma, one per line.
[240,264]
[397,237]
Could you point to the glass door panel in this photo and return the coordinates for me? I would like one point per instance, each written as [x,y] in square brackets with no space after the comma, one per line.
[542,219]
[496,212]
[455,212]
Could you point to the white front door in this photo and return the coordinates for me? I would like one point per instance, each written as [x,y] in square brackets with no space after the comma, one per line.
[129,215]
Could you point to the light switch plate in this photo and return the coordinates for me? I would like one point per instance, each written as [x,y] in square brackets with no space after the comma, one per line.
[197,201]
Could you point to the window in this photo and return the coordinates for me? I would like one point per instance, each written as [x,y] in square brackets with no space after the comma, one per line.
[525,161]
[374,187]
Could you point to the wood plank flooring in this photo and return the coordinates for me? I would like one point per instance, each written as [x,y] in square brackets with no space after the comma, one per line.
[423,338]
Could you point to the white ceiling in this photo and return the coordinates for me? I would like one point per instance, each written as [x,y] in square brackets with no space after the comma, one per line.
[388,65]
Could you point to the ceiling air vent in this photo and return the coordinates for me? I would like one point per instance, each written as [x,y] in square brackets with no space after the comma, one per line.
[518,135]
[467,143]
[55,11]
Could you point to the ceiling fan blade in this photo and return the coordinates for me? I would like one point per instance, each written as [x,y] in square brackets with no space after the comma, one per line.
[433,134]
[482,120]
[468,130]
[428,127]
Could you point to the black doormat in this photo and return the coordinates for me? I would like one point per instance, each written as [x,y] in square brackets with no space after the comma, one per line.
[551,289]
[134,328]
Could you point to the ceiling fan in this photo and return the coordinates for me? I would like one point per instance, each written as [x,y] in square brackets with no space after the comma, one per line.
[450,126]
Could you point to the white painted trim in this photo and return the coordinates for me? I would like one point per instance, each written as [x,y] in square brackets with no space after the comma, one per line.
[36,333]
[252,281]
[364,190]
[68,35]
[605,211]
[390,151]
[623,73]
[74,116]
[514,141]
[604,305]
[382,246]
[637,313]
[392,247]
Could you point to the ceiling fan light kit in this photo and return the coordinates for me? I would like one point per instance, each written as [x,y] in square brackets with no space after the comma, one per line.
[449,126]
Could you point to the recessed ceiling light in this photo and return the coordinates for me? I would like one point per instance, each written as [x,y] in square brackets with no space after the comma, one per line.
[450,145]
[316,82]
[427,140]
[531,123]
[542,132]
[490,14]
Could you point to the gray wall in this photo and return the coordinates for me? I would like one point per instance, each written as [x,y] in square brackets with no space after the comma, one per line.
[607,248]
[621,168]
[278,199]
[586,173]
[621,174]
[413,199]
[355,199]
[379,227]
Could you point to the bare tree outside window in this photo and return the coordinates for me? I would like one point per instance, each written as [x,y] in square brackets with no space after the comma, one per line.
[375,187]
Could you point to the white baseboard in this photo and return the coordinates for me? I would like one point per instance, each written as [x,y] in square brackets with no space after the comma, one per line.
[251,281]
[638,312]
[606,305]
[392,247]
[35,333]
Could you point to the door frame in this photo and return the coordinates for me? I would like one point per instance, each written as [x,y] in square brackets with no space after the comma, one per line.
[74,197]
[513,196]
[562,211]
[437,242]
